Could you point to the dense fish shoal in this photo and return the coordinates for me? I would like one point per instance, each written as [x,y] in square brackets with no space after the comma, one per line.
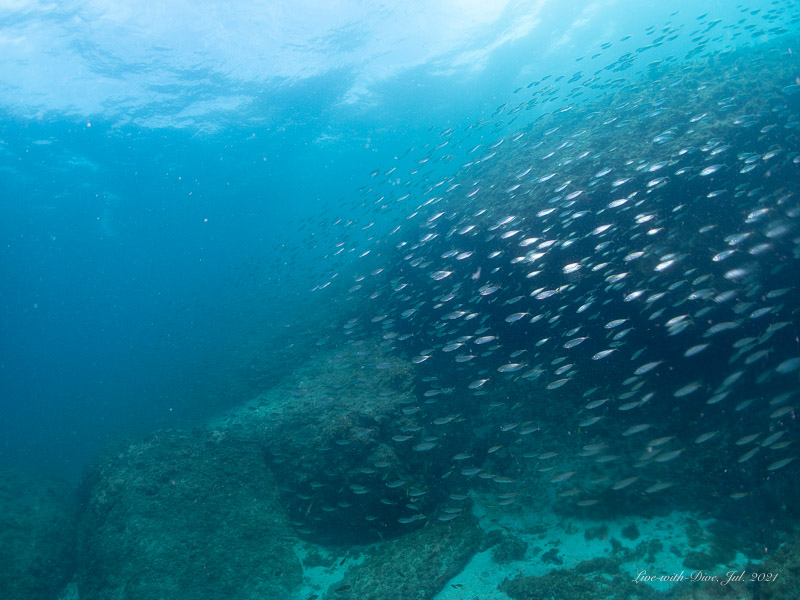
[600,308]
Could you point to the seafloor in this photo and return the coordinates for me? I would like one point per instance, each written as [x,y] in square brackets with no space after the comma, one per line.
[203,514]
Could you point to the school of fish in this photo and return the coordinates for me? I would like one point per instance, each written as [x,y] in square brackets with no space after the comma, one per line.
[597,286]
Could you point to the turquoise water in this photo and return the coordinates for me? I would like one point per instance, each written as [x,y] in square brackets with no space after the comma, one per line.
[429,260]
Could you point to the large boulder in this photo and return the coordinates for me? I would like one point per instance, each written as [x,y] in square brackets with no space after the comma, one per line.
[184,515]
[327,429]
[37,536]
[415,566]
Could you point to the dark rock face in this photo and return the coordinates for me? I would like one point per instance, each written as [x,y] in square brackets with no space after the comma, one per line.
[415,566]
[184,515]
[37,536]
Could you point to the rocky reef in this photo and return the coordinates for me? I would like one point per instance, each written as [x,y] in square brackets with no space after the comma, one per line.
[182,515]
[416,565]
[36,536]
[599,579]
[217,509]
[330,430]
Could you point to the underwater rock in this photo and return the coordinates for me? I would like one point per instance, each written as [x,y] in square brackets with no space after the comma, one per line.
[778,577]
[416,565]
[630,531]
[711,590]
[599,532]
[327,431]
[182,516]
[551,557]
[598,579]
[37,536]
[509,549]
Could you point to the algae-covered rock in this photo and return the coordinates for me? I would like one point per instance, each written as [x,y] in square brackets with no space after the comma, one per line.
[184,516]
[778,576]
[415,566]
[598,579]
[329,431]
[37,536]
[713,590]
[509,549]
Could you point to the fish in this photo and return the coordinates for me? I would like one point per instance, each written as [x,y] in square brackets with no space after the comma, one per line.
[687,389]
[658,487]
[697,349]
[634,429]
[668,456]
[623,483]
[646,237]
[574,342]
[603,354]
[424,446]
[411,519]
[554,385]
[647,367]
[779,464]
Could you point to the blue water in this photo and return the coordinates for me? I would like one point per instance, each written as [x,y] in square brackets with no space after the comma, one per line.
[463,290]
[170,174]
